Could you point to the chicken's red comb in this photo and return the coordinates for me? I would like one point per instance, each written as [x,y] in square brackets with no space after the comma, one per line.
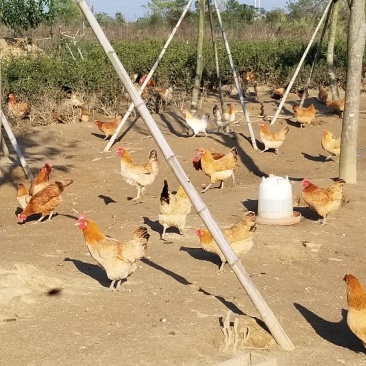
[196,159]
[197,231]
[81,217]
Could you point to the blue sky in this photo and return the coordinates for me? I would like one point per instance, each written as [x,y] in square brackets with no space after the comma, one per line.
[132,9]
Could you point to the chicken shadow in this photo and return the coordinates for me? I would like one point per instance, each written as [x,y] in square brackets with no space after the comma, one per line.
[99,135]
[308,213]
[154,225]
[336,333]
[316,158]
[201,255]
[251,205]
[91,270]
[107,200]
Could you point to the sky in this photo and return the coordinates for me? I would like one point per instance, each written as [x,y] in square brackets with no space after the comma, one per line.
[133,9]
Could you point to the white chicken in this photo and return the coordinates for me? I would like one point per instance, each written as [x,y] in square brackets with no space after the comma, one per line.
[197,124]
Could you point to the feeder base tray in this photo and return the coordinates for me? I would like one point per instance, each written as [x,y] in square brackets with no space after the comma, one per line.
[294,219]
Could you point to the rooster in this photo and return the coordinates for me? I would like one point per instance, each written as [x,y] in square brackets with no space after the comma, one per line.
[18,110]
[197,124]
[137,175]
[109,127]
[331,144]
[239,236]
[304,115]
[272,140]
[356,315]
[45,201]
[174,209]
[41,180]
[227,118]
[323,200]
[117,258]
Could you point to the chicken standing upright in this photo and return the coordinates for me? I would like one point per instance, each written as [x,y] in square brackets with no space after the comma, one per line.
[278,93]
[225,120]
[45,201]
[239,236]
[19,110]
[323,94]
[337,105]
[137,175]
[109,127]
[323,200]
[174,209]
[220,169]
[197,124]
[272,140]
[117,258]
[304,115]
[331,144]
[41,180]
[356,315]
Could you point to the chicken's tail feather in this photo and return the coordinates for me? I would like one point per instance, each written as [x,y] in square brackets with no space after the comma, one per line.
[153,155]
[250,218]
[164,196]
[66,182]
[141,233]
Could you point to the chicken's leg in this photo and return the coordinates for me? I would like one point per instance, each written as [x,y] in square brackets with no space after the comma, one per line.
[111,287]
[162,237]
[138,194]
[207,188]
[262,151]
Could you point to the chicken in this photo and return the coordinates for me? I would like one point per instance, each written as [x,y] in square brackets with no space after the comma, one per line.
[174,209]
[84,114]
[356,315]
[137,175]
[23,196]
[152,83]
[337,105]
[224,121]
[323,200]
[304,115]
[220,169]
[300,92]
[272,140]
[331,144]
[166,94]
[109,127]
[278,93]
[75,100]
[323,94]
[197,160]
[45,201]
[239,236]
[117,258]
[249,79]
[197,124]
[19,110]
[41,180]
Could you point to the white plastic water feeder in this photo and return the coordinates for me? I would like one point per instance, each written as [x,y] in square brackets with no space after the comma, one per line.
[275,202]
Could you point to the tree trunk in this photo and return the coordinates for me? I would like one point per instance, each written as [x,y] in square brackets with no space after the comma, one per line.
[356,47]
[199,68]
[330,51]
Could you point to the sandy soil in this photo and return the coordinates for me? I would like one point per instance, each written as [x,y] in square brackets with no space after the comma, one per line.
[170,311]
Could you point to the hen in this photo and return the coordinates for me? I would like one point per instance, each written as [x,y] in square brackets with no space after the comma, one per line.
[19,110]
[278,93]
[304,115]
[272,140]
[137,175]
[117,258]
[225,120]
[45,201]
[23,196]
[109,127]
[356,299]
[174,209]
[331,144]
[337,105]
[197,124]
[249,79]
[197,160]
[41,180]
[220,169]
[239,236]
[323,94]
[323,200]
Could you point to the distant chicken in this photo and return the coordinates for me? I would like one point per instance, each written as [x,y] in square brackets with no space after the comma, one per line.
[304,115]
[23,196]
[166,94]
[84,114]
[356,315]
[323,200]
[323,94]
[220,169]
[300,92]
[137,175]
[41,180]
[278,93]
[272,140]
[225,120]
[331,144]
[337,105]
[109,127]
[249,79]
[45,201]
[197,124]
[19,110]
[117,258]
[239,236]
[174,209]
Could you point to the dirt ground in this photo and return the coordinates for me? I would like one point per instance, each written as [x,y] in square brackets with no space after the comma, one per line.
[170,311]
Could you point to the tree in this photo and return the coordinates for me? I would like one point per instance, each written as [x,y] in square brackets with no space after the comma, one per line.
[305,8]
[66,10]
[235,12]
[168,10]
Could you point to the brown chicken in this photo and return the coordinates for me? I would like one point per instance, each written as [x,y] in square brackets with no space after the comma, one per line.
[137,175]
[45,201]
[331,144]
[337,105]
[220,169]
[304,115]
[109,127]
[41,180]
[272,140]
[249,79]
[300,92]
[239,236]
[23,196]
[174,209]
[323,200]
[19,110]
[356,315]
[117,258]
[323,94]
[278,93]
[197,160]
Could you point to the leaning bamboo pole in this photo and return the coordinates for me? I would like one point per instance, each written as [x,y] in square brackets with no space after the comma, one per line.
[3,146]
[148,77]
[202,210]
[282,102]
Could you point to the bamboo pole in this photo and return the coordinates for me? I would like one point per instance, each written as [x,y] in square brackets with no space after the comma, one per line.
[3,146]
[282,102]
[242,101]
[202,210]
[148,77]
